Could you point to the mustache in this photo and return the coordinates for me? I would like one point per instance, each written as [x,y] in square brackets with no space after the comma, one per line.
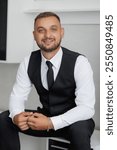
[44,39]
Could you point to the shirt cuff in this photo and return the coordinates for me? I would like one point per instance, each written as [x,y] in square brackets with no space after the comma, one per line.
[57,122]
[12,114]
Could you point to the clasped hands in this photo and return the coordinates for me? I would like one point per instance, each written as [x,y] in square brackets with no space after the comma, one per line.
[35,121]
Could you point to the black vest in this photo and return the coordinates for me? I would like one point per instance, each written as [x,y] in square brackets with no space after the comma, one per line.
[61,97]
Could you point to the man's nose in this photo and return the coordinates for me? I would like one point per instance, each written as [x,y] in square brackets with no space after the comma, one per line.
[48,33]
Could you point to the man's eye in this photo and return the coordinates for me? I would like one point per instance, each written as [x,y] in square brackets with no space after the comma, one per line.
[54,29]
[41,31]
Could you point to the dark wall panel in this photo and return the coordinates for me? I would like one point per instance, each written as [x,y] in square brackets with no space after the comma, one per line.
[3,28]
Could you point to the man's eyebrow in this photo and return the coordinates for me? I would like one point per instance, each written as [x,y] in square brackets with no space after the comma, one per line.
[40,27]
[54,26]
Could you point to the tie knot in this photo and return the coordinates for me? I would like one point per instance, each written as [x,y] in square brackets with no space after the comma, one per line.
[49,64]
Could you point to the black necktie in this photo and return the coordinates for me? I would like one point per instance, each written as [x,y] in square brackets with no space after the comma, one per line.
[50,74]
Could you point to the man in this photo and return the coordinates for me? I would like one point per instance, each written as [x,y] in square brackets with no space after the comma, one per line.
[68,101]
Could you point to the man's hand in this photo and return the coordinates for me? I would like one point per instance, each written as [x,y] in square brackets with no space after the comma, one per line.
[39,121]
[21,120]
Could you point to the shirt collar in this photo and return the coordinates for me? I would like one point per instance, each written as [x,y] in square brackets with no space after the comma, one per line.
[56,60]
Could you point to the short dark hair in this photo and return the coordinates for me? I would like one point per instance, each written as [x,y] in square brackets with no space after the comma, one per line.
[46,14]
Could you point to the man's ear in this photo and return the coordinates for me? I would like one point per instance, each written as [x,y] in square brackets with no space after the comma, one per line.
[34,34]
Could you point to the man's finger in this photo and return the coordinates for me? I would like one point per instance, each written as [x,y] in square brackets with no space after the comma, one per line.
[26,114]
[36,115]
[25,127]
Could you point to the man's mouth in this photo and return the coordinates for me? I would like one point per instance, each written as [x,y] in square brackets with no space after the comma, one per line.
[48,41]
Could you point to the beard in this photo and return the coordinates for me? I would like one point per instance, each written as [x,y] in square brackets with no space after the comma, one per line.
[52,48]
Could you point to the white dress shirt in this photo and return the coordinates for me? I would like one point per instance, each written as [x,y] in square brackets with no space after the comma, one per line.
[85,90]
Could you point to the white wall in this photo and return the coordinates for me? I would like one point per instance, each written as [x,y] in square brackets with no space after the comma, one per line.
[21,14]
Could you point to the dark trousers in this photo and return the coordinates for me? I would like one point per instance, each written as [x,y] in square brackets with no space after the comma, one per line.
[78,133]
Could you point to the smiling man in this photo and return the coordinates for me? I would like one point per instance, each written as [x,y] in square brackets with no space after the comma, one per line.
[64,82]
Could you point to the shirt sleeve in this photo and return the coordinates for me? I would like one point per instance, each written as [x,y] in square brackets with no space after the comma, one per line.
[85,96]
[21,90]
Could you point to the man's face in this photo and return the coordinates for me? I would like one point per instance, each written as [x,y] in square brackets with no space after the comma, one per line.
[48,33]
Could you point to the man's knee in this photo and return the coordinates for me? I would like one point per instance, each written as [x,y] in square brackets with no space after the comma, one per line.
[80,133]
[5,121]
[4,116]
[7,126]
[82,128]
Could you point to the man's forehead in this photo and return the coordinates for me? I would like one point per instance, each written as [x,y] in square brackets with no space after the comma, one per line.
[47,21]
